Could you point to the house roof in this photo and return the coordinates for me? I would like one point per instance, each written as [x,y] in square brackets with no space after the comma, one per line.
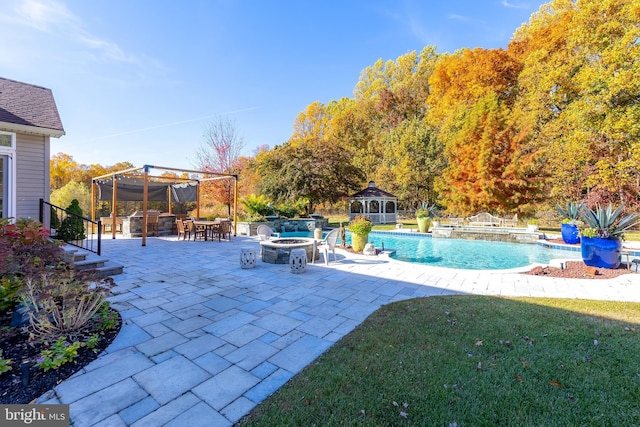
[372,192]
[29,109]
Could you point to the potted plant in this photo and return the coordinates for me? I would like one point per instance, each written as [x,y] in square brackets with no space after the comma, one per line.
[533,225]
[435,221]
[423,216]
[570,222]
[360,227]
[601,242]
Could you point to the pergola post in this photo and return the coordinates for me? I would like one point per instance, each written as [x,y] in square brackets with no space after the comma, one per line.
[114,197]
[235,205]
[145,196]
[93,203]
[198,200]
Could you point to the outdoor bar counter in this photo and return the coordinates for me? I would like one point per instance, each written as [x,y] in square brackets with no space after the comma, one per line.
[132,225]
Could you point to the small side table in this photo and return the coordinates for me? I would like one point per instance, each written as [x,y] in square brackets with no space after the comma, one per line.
[248,257]
[298,261]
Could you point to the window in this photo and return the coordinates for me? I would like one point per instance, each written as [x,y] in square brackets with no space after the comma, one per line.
[7,140]
[7,175]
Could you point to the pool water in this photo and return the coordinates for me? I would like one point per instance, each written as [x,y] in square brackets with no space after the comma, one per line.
[466,254]
[458,253]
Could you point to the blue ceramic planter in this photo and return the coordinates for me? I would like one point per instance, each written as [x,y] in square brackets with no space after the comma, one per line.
[601,253]
[570,234]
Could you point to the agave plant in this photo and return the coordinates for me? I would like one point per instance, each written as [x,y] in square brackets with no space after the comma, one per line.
[571,212]
[606,223]
[426,211]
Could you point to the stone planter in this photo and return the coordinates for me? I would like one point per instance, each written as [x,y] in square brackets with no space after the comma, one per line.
[570,234]
[358,242]
[423,224]
[601,253]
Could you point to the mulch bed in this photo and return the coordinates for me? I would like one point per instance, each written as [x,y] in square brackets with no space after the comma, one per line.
[15,345]
[578,269]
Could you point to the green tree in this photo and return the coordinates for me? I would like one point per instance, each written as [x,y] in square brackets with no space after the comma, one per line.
[579,96]
[413,158]
[70,191]
[318,170]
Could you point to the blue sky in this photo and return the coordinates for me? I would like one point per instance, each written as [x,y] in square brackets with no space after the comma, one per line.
[139,80]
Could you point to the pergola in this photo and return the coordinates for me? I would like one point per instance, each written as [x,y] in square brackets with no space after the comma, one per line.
[137,184]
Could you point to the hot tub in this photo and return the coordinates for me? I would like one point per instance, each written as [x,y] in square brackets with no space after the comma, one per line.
[277,251]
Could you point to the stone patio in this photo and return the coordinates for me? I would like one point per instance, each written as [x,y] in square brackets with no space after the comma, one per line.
[204,341]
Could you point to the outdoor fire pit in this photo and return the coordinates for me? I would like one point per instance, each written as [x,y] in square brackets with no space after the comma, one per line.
[278,251]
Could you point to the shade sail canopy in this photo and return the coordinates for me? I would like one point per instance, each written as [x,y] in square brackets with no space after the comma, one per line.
[132,186]
[132,190]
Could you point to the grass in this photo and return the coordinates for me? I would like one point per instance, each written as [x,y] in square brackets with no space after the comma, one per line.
[472,361]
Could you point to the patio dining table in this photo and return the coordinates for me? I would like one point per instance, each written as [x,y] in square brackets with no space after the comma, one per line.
[209,226]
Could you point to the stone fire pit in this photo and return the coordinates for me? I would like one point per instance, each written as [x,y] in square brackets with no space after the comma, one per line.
[277,251]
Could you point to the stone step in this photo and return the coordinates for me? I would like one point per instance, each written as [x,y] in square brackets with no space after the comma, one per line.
[85,260]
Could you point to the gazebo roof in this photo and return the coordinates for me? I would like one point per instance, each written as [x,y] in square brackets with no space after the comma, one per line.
[373,192]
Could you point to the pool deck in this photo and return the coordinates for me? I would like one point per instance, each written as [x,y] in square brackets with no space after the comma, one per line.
[204,341]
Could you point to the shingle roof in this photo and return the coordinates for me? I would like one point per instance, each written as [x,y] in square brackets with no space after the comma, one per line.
[29,105]
[372,191]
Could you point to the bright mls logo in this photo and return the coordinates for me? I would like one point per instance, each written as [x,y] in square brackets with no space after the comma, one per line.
[34,415]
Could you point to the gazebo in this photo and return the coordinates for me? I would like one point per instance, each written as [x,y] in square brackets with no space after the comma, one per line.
[379,205]
[136,184]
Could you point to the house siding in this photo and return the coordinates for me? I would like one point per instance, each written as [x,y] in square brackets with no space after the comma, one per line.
[32,176]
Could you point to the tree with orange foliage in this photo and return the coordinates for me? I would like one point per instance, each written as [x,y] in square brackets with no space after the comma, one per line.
[472,93]
[219,154]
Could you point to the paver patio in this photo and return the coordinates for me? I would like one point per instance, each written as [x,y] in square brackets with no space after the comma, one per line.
[204,341]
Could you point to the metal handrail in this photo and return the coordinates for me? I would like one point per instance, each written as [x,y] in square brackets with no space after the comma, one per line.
[71,228]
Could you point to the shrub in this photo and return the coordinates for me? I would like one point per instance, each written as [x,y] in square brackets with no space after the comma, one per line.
[55,221]
[287,211]
[257,205]
[25,251]
[72,227]
[61,302]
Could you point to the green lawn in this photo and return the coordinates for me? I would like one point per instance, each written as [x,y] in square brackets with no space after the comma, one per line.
[472,361]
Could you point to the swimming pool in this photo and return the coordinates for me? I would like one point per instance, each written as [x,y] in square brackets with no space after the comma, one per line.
[458,253]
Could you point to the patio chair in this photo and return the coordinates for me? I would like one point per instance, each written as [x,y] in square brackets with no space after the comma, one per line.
[152,224]
[196,231]
[265,232]
[182,229]
[225,229]
[328,244]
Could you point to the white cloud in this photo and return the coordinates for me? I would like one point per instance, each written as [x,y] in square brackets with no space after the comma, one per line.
[514,5]
[47,30]
[45,15]
[463,18]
